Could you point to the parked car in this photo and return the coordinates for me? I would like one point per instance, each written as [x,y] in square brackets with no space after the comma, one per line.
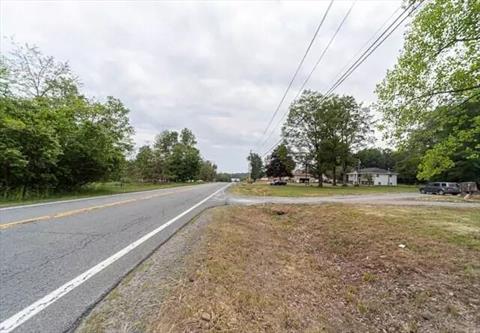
[441,188]
[278,182]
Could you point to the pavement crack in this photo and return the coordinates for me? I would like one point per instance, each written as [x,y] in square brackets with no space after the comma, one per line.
[84,243]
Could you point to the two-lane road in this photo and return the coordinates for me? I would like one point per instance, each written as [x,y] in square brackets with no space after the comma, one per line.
[58,259]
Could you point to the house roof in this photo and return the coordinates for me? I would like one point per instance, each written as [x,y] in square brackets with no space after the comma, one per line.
[374,170]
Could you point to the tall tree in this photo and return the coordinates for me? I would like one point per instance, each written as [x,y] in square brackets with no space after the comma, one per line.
[305,131]
[32,74]
[256,166]
[187,138]
[436,73]
[280,163]
[145,164]
[51,137]
[184,163]
[325,131]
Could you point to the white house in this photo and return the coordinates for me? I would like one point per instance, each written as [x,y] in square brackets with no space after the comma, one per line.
[372,176]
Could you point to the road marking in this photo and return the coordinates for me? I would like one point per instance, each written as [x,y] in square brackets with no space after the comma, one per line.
[21,317]
[92,198]
[84,210]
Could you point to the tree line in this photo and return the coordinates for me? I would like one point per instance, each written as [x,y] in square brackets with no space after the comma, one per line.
[55,139]
[173,157]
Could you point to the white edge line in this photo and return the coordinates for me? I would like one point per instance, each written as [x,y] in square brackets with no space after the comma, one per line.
[22,316]
[95,197]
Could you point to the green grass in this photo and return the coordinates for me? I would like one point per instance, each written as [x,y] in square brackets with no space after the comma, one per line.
[91,190]
[300,190]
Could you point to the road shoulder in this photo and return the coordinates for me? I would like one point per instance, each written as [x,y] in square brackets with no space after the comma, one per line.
[137,298]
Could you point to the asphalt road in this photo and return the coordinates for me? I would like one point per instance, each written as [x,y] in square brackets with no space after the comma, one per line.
[58,259]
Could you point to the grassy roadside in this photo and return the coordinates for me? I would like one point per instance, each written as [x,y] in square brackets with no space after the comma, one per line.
[91,190]
[300,190]
[331,268]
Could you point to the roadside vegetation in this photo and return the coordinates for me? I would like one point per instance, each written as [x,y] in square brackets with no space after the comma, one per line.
[55,142]
[301,190]
[332,268]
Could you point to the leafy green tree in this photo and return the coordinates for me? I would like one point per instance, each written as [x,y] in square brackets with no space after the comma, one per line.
[51,137]
[305,131]
[145,164]
[256,166]
[34,75]
[376,158]
[223,177]
[208,171]
[324,131]
[187,138]
[437,71]
[184,163]
[451,144]
[281,163]
[29,147]
[351,130]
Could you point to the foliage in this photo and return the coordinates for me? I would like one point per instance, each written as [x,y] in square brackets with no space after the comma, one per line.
[208,171]
[437,72]
[452,144]
[173,157]
[31,74]
[323,131]
[281,163]
[223,177]
[51,137]
[376,158]
[256,166]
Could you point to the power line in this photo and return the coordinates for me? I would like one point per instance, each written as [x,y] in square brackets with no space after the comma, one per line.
[298,69]
[313,69]
[364,56]
[373,47]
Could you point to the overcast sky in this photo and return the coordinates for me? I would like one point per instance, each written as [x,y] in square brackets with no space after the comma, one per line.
[217,68]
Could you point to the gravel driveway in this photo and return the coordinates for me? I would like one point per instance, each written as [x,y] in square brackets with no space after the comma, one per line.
[403,199]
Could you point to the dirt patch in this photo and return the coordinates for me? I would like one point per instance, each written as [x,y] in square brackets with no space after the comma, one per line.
[332,268]
[135,302]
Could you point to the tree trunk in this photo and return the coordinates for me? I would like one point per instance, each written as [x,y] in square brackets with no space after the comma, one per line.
[320,179]
[344,174]
[334,171]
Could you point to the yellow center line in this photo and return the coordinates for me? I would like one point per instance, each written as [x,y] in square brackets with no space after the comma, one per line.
[83,210]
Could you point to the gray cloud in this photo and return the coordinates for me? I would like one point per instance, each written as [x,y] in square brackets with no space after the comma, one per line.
[219,68]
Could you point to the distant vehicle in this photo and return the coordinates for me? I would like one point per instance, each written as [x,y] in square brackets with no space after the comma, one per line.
[276,182]
[235,180]
[441,188]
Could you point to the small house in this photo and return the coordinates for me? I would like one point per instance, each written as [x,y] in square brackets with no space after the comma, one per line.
[372,176]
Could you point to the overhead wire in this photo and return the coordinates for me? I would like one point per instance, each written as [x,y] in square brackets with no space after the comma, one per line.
[380,39]
[315,66]
[297,70]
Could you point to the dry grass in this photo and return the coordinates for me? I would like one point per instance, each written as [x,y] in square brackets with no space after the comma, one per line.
[449,198]
[331,268]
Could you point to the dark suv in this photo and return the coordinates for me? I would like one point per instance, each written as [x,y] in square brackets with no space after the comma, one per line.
[441,188]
